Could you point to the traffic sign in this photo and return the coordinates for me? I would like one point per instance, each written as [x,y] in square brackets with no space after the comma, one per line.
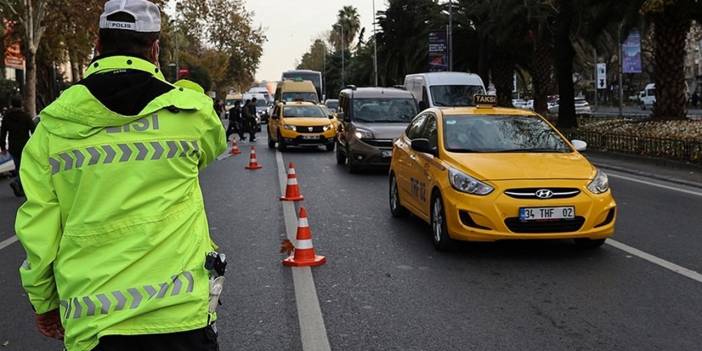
[601,76]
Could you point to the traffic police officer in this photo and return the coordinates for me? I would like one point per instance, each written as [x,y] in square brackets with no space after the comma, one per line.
[114,226]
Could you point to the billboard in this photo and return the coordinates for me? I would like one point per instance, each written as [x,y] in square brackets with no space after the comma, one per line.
[631,53]
[438,52]
[12,56]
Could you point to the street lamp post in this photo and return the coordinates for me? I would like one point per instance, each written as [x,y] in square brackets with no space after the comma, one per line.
[621,68]
[343,58]
[450,36]
[375,46]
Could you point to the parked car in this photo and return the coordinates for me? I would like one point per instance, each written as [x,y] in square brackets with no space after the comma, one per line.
[582,107]
[647,97]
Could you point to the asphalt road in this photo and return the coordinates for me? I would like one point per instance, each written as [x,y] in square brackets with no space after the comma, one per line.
[385,287]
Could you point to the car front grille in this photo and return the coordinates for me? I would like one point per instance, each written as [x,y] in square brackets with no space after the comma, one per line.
[379,142]
[556,226]
[531,193]
[315,129]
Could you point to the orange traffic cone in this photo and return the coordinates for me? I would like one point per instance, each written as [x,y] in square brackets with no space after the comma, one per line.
[253,162]
[292,191]
[235,148]
[304,255]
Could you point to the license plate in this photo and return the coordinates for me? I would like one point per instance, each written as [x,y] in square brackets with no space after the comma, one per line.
[546,213]
[387,154]
[310,137]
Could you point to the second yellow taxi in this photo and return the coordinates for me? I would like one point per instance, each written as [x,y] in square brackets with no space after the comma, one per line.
[301,123]
[487,174]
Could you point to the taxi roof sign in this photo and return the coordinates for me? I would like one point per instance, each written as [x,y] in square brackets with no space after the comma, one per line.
[485,100]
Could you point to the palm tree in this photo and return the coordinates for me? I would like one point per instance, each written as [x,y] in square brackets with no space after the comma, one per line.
[349,21]
[672,20]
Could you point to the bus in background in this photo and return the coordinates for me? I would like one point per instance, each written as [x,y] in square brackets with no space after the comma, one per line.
[313,76]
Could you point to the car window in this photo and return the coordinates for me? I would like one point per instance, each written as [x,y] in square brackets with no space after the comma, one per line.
[429,131]
[303,111]
[500,134]
[455,95]
[300,96]
[384,110]
[415,128]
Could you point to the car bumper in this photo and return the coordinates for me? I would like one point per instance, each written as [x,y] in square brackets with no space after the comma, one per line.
[300,139]
[371,153]
[496,216]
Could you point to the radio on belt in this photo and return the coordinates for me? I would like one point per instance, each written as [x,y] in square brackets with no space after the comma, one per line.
[216,263]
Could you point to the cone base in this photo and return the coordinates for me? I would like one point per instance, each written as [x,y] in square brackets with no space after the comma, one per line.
[234,153]
[318,261]
[293,199]
[254,167]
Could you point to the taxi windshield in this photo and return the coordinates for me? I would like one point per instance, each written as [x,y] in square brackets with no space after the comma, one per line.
[303,112]
[384,110]
[300,96]
[455,95]
[501,134]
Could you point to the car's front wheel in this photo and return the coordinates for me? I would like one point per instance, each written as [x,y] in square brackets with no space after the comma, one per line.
[281,143]
[440,236]
[340,157]
[396,207]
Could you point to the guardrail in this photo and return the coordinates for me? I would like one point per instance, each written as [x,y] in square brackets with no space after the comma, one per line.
[680,150]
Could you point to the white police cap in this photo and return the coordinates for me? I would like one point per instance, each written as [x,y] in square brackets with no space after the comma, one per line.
[146,14]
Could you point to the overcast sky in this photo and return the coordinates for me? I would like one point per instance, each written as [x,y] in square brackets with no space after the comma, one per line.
[292,25]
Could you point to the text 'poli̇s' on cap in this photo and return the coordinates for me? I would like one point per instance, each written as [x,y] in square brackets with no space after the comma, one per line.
[144,16]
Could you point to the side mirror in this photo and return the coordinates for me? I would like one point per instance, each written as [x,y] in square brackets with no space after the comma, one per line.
[579,145]
[423,145]
[423,106]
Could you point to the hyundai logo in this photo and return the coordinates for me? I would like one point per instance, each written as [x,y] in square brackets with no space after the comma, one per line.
[544,194]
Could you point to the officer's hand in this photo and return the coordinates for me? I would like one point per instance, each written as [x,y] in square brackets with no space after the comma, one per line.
[49,324]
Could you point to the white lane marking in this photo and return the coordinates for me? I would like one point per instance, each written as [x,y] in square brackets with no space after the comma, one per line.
[662,186]
[656,260]
[312,329]
[8,242]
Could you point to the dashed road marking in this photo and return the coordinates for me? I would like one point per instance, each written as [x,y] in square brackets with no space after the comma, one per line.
[312,329]
[656,260]
[8,242]
[657,185]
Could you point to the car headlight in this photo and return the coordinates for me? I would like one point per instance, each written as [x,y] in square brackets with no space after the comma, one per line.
[289,127]
[327,127]
[363,134]
[600,184]
[467,184]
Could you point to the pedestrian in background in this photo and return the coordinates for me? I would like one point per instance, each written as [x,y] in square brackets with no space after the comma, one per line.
[235,121]
[114,227]
[250,118]
[17,127]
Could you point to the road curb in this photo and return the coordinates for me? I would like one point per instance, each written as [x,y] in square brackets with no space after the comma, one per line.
[647,175]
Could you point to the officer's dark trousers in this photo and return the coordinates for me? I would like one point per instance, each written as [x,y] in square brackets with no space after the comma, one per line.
[197,340]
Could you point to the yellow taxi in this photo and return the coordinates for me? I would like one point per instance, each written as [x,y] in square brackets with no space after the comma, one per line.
[301,123]
[486,174]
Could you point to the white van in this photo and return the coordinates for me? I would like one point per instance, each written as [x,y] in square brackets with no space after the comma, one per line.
[647,97]
[444,89]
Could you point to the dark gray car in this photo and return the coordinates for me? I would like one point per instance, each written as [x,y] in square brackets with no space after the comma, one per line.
[371,119]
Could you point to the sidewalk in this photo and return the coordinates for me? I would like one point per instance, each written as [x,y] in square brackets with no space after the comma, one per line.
[662,169]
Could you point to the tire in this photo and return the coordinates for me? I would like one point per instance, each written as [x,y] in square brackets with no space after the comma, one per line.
[271,143]
[350,164]
[439,230]
[396,208]
[281,144]
[340,157]
[589,244]
[330,147]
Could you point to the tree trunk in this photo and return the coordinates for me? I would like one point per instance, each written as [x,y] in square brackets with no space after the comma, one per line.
[502,77]
[75,66]
[670,34]
[542,75]
[30,89]
[564,65]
